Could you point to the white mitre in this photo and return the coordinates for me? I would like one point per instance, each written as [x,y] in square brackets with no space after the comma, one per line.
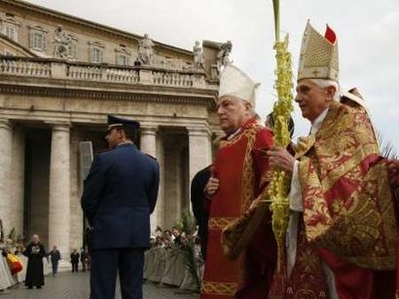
[234,82]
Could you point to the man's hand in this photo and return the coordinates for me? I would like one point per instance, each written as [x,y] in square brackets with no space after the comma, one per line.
[280,158]
[393,173]
[211,187]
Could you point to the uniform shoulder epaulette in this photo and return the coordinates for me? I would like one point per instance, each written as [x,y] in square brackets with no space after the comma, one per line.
[150,156]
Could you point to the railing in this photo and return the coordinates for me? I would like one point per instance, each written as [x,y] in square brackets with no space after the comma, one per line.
[59,69]
[172,78]
[25,68]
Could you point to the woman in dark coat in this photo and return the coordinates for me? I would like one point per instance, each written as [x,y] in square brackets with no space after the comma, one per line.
[34,274]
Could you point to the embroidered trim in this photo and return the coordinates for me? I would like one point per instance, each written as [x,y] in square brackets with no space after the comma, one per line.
[219,288]
[220,222]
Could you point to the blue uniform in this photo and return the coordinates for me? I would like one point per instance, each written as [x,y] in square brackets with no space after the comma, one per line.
[119,195]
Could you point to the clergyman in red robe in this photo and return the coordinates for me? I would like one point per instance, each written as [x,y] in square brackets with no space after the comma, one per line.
[237,187]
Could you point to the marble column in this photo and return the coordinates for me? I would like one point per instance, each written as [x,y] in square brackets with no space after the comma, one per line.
[199,149]
[148,145]
[18,179]
[59,198]
[5,172]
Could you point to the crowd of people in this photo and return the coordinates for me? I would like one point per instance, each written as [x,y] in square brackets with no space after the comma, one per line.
[174,259]
[29,264]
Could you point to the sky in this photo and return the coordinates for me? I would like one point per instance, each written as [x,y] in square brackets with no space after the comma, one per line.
[367,32]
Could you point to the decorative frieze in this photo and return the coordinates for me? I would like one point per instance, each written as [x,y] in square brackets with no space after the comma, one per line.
[208,101]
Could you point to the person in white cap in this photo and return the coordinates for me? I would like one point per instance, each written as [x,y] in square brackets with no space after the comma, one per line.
[341,241]
[243,264]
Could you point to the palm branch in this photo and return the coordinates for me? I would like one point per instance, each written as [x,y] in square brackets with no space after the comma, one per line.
[388,150]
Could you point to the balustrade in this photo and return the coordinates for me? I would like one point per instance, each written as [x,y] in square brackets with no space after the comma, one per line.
[25,68]
[39,67]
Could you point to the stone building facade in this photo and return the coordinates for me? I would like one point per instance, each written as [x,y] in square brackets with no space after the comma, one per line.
[59,78]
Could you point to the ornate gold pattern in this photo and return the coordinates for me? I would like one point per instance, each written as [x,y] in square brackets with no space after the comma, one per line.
[249,133]
[358,223]
[218,288]
[248,175]
[303,145]
[237,234]
[319,58]
[220,222]
[307,279]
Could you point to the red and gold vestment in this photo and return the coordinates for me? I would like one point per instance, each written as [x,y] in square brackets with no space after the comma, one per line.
[348,220]
[242,169]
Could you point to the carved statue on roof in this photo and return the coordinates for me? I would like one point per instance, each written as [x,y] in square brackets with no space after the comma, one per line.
[198,56]
[145,52]
[62,43]
[223,56]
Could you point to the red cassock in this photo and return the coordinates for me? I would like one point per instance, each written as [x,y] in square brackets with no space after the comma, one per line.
[242,168]
[348,222]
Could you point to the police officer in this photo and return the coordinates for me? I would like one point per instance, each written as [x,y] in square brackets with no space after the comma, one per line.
[119,195]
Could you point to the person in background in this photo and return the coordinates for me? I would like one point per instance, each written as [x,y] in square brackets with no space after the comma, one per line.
[75,260]
[269,122]
[83,258]
[55,257]
[34,273]
[201,213]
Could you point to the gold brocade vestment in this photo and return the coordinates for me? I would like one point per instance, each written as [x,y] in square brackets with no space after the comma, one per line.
[348,218]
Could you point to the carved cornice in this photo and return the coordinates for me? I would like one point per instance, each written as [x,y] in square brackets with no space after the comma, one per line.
[107,95]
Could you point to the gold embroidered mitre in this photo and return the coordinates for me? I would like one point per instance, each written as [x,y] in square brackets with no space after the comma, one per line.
[319,55]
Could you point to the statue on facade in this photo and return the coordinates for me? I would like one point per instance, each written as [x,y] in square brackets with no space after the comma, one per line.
[223,55]
[145,51]
[198,56]
[62,43]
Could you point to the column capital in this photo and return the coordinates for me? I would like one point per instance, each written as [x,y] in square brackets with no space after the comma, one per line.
[60,126]
[148,130]
[5,124]
[198,131]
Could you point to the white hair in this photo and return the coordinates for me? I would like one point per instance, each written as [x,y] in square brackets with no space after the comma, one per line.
[252,111]
[324,83]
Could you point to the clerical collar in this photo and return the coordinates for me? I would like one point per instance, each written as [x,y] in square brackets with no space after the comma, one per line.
[231,136]
[318,121]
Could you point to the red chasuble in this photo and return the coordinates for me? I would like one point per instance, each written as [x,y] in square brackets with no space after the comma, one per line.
[349,214]
[242,168]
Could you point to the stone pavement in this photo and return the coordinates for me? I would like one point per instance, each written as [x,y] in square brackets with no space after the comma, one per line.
[69,285]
